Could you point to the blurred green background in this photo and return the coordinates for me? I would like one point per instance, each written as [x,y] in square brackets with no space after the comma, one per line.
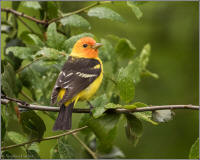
[172,30]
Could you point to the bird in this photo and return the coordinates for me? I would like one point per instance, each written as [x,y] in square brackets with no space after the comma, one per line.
[79,79]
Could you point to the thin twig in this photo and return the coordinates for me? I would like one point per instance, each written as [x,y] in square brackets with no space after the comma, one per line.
[44,139]
[22,104]
[85,146]
[26,96]
[27,65]
[27,26]
[75,12]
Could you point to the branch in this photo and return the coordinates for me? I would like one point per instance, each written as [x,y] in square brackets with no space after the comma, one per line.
[23,104]
[44,139]
[46,22]
[9,10]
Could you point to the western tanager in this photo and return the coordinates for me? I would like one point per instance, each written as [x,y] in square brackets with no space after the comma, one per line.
[80,78]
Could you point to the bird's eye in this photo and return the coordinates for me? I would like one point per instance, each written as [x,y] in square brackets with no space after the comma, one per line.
[85,45]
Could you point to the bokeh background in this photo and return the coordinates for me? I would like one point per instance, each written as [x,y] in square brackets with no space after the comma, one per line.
[172,30]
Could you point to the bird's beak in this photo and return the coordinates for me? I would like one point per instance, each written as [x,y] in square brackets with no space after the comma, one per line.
[97,45]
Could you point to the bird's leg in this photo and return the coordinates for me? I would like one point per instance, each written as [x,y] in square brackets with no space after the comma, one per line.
[91,107]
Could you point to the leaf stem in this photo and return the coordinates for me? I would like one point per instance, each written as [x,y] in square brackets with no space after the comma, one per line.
[26,96]
[44,139]
[85,146]
[27,65]
[27,26]
[75,12]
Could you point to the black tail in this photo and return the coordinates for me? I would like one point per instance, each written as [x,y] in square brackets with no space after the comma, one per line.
[64,119]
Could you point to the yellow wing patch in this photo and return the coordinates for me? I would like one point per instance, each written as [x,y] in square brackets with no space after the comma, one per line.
[97,66]
[61,94]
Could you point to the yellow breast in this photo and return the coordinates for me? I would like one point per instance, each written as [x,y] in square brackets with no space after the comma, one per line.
[92,88]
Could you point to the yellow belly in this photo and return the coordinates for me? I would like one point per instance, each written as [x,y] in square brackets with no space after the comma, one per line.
[91,89]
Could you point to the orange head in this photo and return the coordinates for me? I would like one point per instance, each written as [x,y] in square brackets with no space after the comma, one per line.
[86,47]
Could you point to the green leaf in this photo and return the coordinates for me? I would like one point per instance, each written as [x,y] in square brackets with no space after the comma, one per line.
[24,36]
[98,112]
[106,51]
[7,88]
[29,77]
[34,146]
[114,98]
[83,122]
[105,129]
[32,124]
[125,49]
[135,8]
[140,104]
[54,39]
[99,105]
[39,77]
[194,150]
[144,55]
[149,73]
[65,150]
[134,128]
[69,43]
[75,21]
[6,28]
[50,53]
[11,19]
[21,52]
[114,153]
[112,106]
[129,106]
[8,81]
[17,137]
[7,155]
[32,4]
[146,116]
[162,115]
[50,9]
[135,67]
[32,154]
[37,41]
[3,128]
[107,13]
[125,86]
[54,152]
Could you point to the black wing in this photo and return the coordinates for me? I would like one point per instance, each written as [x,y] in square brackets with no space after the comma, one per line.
[76,75]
